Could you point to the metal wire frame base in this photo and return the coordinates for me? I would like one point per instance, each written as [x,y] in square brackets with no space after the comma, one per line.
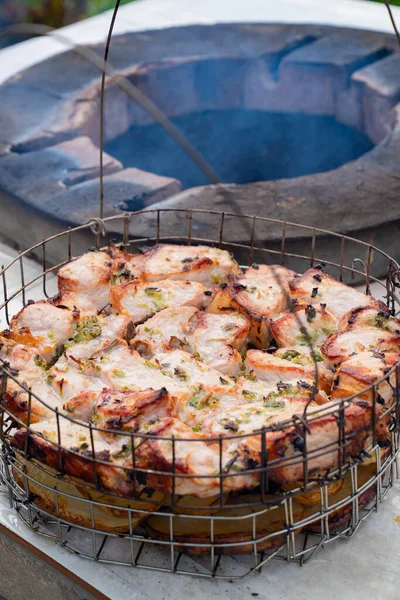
[296,539]
[136,549]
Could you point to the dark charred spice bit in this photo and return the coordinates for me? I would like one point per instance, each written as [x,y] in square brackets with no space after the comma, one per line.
[231,426]
[84,445]
[281,452]
[336,382]
[271,349]
[377,354]
[323,305]
[298,443]
[141,477]
[149,491]
[363,403]
[380,400]
[227,309]
[255,266]
[223,286]
[320,265]
[352,318]
[104,455]
[310,312]
[385,314]
[252,463]
[61,384]
[314,292]
[13,372]
[114,422]
[223,381]
[384,443]
[304,385]
[108,264]
[295,302]
[92,249]
[292,284]
[239,287]
[186,268]
[121,266]
[208,293]
[282,386]
[74,449]
[22,404]
[152,289]
[317,277]
[189,260]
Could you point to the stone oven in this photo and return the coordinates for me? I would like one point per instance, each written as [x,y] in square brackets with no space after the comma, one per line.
[300,121]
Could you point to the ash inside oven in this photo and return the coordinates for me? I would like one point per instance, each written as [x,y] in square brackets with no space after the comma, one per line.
[243,146]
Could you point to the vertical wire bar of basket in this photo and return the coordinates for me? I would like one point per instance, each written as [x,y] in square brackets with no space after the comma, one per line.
[58,516]
[312,252]
[4,379]
[69,242]
[125,236]
[221,479]
[251,250]
[341,422]
[221,230]
[354,497]
[133,449]
[59,445]
[379,477]
[254,537]
[94,549]
[283,241]
[5,294]
[342,241]
[93,453]
[44,267]
[368,271]
[397,401]
[373,416]
[264,464]
[22,277]
[190,226]
[171,525]
[324,519]
[26,454]
[28,426]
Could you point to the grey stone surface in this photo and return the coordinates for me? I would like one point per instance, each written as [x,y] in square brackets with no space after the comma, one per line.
[312,69]
[24,576]
[37,176]
[130,188]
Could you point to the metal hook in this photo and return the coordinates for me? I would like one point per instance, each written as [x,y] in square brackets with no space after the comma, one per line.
[97,226]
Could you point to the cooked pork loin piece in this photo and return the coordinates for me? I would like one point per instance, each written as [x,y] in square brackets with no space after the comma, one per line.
[316,286]
[131,411]
[363,370]
[68,379]
[96,333]
[31,371]
[296,390]
[44,327]
[215,339]
[259,295]
[315,320]
[123,369]
[85,282]
[206,384]
[78,452]
[274,369]
[207,265]
[140,300]
[364,328]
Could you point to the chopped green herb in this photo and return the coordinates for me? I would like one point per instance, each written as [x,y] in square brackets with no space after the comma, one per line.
[118,373]
[196,428]
[87,330]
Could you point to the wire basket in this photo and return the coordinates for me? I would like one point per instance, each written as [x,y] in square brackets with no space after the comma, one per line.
[187,535]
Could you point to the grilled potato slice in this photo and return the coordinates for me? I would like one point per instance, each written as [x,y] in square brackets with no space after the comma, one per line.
[69,500]
[233,529]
